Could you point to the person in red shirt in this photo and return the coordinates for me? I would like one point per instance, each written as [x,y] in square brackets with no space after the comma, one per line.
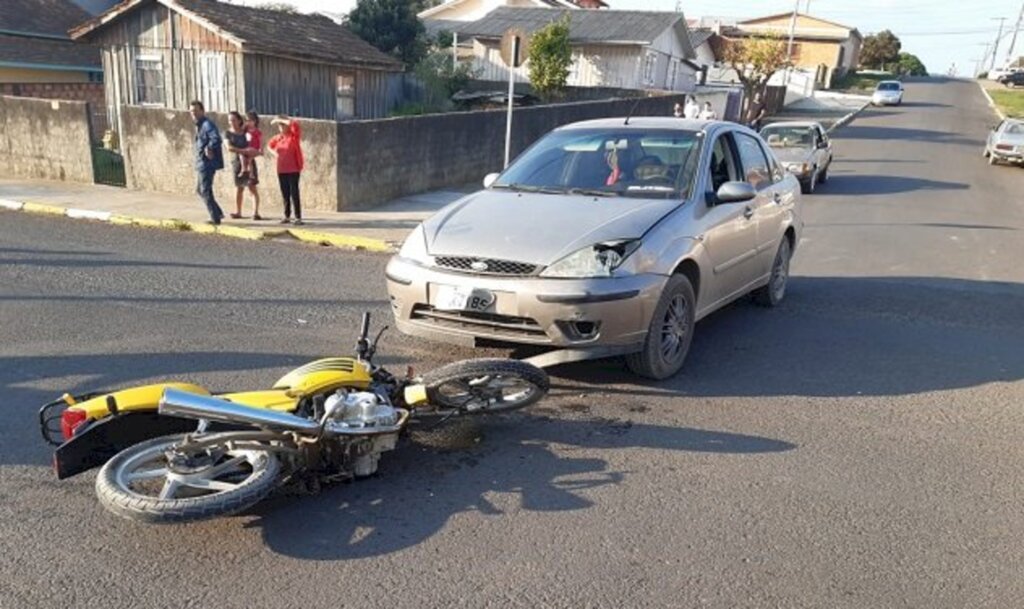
[288,150]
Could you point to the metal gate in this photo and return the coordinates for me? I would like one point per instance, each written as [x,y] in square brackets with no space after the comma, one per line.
[107,167]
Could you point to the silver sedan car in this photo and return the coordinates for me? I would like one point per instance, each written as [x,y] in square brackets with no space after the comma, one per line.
[606,237]
[1005,142]
[804,148]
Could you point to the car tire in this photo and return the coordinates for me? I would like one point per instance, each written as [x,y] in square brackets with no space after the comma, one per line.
[669,333]
[774,292]
[807,186]
[985,154]
[823,176]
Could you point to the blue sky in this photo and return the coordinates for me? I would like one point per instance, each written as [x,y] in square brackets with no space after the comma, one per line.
[939,32]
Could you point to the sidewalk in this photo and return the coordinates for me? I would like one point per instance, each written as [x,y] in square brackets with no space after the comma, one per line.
[830,109]
[380,229]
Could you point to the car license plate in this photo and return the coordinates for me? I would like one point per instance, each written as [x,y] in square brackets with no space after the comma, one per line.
[457,298]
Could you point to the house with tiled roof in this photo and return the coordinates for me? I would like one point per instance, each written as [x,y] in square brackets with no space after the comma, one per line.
[610,48]
[38,57]
[166,53]
[471,10]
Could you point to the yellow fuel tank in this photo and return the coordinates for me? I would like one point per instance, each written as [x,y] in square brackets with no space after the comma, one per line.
[324,375]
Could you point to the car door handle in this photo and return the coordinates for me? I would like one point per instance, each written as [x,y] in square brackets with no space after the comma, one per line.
[748,213]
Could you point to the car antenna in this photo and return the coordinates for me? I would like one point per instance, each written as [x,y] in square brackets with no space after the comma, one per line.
[629,114]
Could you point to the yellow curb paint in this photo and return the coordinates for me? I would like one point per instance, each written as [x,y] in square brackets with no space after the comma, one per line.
[40,208]
[120,220]
[240,232]
[203,229]
[347,241]
[148,223]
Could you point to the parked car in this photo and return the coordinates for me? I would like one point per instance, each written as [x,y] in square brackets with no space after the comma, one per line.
[1005,142]
[804,150]
[605,237]
[887,93]
[999,73]
[1014,79]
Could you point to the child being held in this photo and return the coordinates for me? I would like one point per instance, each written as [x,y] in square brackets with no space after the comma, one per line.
[254,137]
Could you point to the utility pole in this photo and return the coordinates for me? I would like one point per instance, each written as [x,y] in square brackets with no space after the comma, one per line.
[792,31]
[807,9]
[1016,29]
[981,61]
[995,49]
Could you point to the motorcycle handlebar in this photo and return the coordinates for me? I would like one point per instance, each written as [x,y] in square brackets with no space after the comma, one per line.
[364,331]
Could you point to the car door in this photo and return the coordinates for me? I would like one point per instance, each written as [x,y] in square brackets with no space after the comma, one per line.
[766,176]
[824,149]
[727,230]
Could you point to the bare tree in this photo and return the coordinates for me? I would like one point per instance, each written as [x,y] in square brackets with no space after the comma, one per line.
[755,61]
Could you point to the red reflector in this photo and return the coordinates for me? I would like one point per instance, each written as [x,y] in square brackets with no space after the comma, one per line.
[1004,147]
[70,419]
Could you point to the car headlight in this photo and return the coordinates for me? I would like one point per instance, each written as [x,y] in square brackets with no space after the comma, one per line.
[598,260]
[415,247]
[799,168]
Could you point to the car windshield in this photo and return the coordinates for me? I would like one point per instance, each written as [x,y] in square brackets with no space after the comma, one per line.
[1015,129]
[787,137]
[630,162]
[889,86]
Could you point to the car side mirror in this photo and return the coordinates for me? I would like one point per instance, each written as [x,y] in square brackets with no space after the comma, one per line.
[823,144]
[489,179]
[735,192]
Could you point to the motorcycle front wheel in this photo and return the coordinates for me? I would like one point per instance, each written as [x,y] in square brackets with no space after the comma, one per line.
[153,482]
[484,386]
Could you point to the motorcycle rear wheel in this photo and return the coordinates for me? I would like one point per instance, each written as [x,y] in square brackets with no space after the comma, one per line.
[140,484]
[485,386]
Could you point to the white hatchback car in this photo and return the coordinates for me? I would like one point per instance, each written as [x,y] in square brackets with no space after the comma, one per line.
[888,93]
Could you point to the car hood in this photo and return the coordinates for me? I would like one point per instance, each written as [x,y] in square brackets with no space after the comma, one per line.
[792,155]
[537,228]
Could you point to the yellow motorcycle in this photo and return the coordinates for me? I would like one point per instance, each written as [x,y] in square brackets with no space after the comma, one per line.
[173,452]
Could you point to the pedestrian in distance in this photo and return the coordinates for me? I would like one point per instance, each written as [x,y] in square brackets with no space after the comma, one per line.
[758,113]
[240,144]
[209,159]
[677,110]
[708,113]
[287,149]
[692,109]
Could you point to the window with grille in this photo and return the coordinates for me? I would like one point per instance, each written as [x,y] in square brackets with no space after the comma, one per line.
[211,82]
[149,81]
[346,95]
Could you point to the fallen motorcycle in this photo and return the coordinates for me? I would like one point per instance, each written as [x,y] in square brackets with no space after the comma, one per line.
[172,452]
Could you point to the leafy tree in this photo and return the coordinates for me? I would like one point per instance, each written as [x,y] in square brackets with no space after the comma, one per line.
[909,64]
[755,61]
[880,49]
[391,26]
[550,58]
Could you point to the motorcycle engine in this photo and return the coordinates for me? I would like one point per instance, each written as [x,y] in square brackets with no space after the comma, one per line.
[360,409]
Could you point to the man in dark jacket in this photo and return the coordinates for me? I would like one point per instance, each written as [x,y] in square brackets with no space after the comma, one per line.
[209,159]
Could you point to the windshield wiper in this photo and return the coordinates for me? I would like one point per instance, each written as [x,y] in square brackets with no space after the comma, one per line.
[596,192]
[528,188]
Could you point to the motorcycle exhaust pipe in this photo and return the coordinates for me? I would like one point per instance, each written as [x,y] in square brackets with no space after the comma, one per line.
[179,403]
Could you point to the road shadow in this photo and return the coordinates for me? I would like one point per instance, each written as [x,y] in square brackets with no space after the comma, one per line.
[840,336]
[423,484]
[92,263]
[846,183]
[904,134]
[925,104]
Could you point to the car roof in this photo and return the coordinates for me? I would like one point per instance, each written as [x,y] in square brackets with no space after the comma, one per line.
[794,124]
[642,122]
[889,82]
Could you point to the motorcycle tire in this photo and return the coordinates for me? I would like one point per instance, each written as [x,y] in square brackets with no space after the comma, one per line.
[115,493]
[485,386]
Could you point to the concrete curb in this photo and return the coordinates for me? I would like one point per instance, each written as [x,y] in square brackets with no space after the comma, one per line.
[992,102]
[351,242]
[848,118]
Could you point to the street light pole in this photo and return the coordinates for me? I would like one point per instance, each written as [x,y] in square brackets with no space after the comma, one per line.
[1016,29]
[792,31]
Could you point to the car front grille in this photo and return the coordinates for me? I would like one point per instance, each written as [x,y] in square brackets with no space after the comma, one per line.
[486,266]
[490,324]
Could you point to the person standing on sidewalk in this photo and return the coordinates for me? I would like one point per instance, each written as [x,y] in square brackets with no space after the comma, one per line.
[209,159]
[288,150]
[243,165]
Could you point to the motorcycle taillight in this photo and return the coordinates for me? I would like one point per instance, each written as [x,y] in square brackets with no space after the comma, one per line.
[70,419]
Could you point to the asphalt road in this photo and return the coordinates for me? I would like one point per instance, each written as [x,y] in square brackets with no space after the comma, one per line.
[859,447]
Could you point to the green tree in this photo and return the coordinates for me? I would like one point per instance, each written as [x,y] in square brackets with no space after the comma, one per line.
[391,26]
[880,50]
[909,64]
[550,58]
[755,61]
[441,76]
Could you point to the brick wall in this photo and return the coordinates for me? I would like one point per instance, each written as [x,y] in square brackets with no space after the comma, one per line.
[158,156]
[91,92]
[45,139]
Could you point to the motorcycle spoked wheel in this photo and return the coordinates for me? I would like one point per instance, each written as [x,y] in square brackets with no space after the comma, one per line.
[140,484]
[484,386]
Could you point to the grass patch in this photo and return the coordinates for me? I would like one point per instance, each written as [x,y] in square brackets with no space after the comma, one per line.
[1010,102]
[852,82]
